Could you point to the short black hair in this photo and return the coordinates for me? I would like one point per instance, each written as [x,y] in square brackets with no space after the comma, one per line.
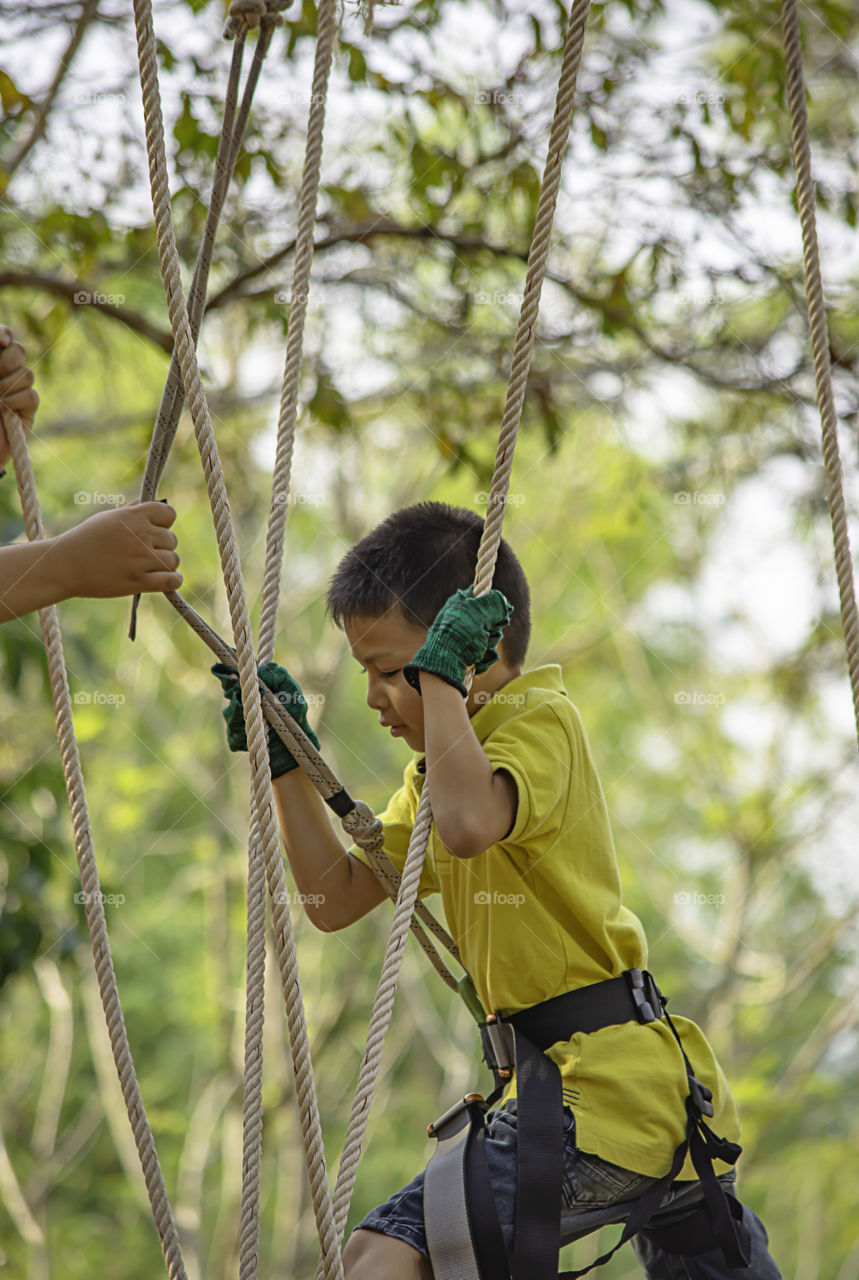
[415,560]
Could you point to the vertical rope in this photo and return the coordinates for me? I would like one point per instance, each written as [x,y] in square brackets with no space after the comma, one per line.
[487,554]
[93,899]
[805,195]
[298,300]
[380,1017]
[256,731]
[538,258]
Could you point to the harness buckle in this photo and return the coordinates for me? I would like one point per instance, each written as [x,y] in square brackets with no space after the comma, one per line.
[646,996]
[435,1130]
[499,1052]
[701,1096]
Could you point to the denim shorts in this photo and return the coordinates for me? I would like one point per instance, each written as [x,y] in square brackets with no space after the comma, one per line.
[595,1194]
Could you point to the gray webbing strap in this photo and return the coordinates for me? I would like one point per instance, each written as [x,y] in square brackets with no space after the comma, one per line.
[448,1232]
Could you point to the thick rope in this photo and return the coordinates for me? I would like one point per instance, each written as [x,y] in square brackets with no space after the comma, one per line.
[488,551]
[298,300]
[257,738]
[538,258]
[805,194]
[93,899]
[380,1017]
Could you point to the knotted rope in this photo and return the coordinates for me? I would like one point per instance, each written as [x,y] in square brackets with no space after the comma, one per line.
[247,666]
[93,898]
[805,195]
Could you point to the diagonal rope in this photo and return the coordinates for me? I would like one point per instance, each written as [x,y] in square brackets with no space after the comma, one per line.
[487,553]
[357,818]
[257,738]
[93,898]
[805,195]
[229,142]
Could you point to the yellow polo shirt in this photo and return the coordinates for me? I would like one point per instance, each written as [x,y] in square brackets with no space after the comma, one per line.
[540,913]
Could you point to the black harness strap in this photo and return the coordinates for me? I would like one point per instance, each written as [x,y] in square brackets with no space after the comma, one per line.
[539,1163]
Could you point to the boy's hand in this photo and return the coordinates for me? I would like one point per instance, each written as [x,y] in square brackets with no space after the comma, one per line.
[288,694]
[121,552]
[464,634]
[16,387]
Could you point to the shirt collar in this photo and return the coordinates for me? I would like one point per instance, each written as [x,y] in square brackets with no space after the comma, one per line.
[506,702]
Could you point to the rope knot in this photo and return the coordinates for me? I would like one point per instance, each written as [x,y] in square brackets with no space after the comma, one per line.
[363,825]
[244,16]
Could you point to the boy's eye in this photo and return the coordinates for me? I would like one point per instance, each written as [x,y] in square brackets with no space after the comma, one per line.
[389,675]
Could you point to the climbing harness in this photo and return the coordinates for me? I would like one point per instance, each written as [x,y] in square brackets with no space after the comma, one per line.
[509,1042]
[465,1238]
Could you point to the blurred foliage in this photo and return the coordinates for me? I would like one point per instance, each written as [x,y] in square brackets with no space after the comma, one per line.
[671,388]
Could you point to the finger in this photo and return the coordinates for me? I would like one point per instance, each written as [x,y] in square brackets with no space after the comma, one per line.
[160,513]
[167,560]
[6,335]
[165,540]
[161,581]
[24,403]
[12,357]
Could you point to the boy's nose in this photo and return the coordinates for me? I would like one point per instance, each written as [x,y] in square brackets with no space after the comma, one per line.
[375,699]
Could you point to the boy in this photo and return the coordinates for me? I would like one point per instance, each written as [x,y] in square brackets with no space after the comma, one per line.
[113,553]
[522,855]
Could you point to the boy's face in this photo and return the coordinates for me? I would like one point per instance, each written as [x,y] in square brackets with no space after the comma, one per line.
[383,646]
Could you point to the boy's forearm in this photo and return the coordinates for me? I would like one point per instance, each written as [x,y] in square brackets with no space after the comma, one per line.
[473,807]
[335,888]
[30,577]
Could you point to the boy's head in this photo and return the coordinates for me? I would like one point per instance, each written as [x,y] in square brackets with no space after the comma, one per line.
[388,589]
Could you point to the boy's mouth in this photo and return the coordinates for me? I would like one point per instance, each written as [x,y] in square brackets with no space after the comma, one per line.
[397,730]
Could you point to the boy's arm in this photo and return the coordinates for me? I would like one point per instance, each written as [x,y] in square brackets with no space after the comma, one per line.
[335,887]
[473,807]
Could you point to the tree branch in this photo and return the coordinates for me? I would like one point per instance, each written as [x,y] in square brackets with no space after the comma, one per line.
[89,10]
[69,289]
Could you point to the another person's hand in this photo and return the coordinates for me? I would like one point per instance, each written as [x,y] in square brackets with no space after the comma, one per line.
[121,552]
[16,388]
[465,633]
[289,695]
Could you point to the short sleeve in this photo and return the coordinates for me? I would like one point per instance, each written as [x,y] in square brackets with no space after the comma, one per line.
[398,820]
[535,749]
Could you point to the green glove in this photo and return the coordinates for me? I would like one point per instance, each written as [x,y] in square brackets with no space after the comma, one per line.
[465,634]
[288,694]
